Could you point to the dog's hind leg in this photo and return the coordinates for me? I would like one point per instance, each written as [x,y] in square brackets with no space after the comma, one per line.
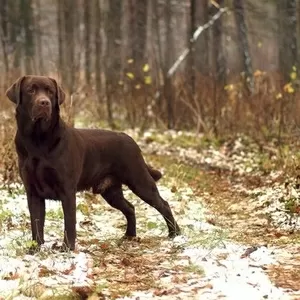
[143,185]
[151,196]
[114,197]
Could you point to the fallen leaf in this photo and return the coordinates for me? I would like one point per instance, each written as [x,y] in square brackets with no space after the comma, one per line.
[173,189]
[82,291]
[126,262]
[249,251]
[69,270]
[211,221]
[104,246]
[162,292]
[45,272]
[146,68]
[11,276]
[130,75]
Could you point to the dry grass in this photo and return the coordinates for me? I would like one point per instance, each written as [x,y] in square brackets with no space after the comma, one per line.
[271,112]
[8,162]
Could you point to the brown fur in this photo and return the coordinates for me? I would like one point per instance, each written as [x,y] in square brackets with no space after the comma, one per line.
[56,161]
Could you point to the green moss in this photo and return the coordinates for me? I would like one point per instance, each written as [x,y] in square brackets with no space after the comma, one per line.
[185,140]
[52,214]
[175,174]
[291,205]
[23,245]
[193,268]
[5,216]
[84,208]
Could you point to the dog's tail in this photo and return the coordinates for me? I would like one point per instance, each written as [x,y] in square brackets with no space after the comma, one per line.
[155,174]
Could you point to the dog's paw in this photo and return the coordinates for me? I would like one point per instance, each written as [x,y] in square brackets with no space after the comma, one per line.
[62,248]
[173,234]
[131,238]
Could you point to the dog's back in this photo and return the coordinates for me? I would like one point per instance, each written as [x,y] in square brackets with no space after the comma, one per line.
[55,161]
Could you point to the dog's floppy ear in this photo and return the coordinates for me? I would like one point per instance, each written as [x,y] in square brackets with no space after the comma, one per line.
[14,92]
[61,95]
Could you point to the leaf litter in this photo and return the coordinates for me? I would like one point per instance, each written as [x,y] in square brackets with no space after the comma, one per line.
[220,254]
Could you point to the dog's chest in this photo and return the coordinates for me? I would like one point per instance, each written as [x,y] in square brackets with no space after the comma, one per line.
[42,178]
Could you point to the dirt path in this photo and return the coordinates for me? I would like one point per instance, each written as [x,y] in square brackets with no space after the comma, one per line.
[241,216]
[229,248]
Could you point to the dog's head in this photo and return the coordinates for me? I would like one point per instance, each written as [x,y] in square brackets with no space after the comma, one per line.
[38,97]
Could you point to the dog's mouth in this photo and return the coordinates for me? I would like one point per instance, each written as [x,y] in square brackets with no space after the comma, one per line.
[41,114]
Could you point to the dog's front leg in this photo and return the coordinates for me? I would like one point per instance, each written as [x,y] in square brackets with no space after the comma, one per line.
[37,212]
[69,209]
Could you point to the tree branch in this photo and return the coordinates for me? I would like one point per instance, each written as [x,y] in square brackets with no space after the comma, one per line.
[196,35]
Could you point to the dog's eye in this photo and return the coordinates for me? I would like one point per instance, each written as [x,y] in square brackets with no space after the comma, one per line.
[49,91]
[31,91]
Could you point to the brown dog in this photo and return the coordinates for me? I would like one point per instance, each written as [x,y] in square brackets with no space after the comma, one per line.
[56,161]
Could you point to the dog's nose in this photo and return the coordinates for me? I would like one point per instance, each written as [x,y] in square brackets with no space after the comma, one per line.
[43,102]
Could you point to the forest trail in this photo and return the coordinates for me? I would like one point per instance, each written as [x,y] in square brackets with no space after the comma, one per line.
[231,246]
[239,204]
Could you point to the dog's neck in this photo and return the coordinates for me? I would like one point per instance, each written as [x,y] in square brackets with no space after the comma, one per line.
[41,131]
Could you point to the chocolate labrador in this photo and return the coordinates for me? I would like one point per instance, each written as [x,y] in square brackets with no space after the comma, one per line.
[56,161]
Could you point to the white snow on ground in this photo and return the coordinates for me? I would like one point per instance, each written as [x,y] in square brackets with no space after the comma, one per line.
[226,273]
[232,156]
[217,267]
[235,277]
[276,200]
[240,156]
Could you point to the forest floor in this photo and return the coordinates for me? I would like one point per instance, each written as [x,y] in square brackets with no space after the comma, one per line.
[239,213]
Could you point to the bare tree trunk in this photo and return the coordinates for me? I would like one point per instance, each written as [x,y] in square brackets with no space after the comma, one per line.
[4,33]
[87,38]
[38,36]
[159,55]
[15,32]
[168,87]
[138,10]
[69,49]
[287,14]
[219,62]
[137,38]
[191,64]
[131,27]
[61,35]
[139,47]
[98,25]
[218,49]
[27,22]
[202,44]
[298,34]
[113,61]
[131,105]
[243,42]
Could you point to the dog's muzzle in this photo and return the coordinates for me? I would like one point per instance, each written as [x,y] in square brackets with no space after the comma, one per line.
[41,109]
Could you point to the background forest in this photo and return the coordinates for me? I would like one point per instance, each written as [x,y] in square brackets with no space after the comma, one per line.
[241,74]
[210,91]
